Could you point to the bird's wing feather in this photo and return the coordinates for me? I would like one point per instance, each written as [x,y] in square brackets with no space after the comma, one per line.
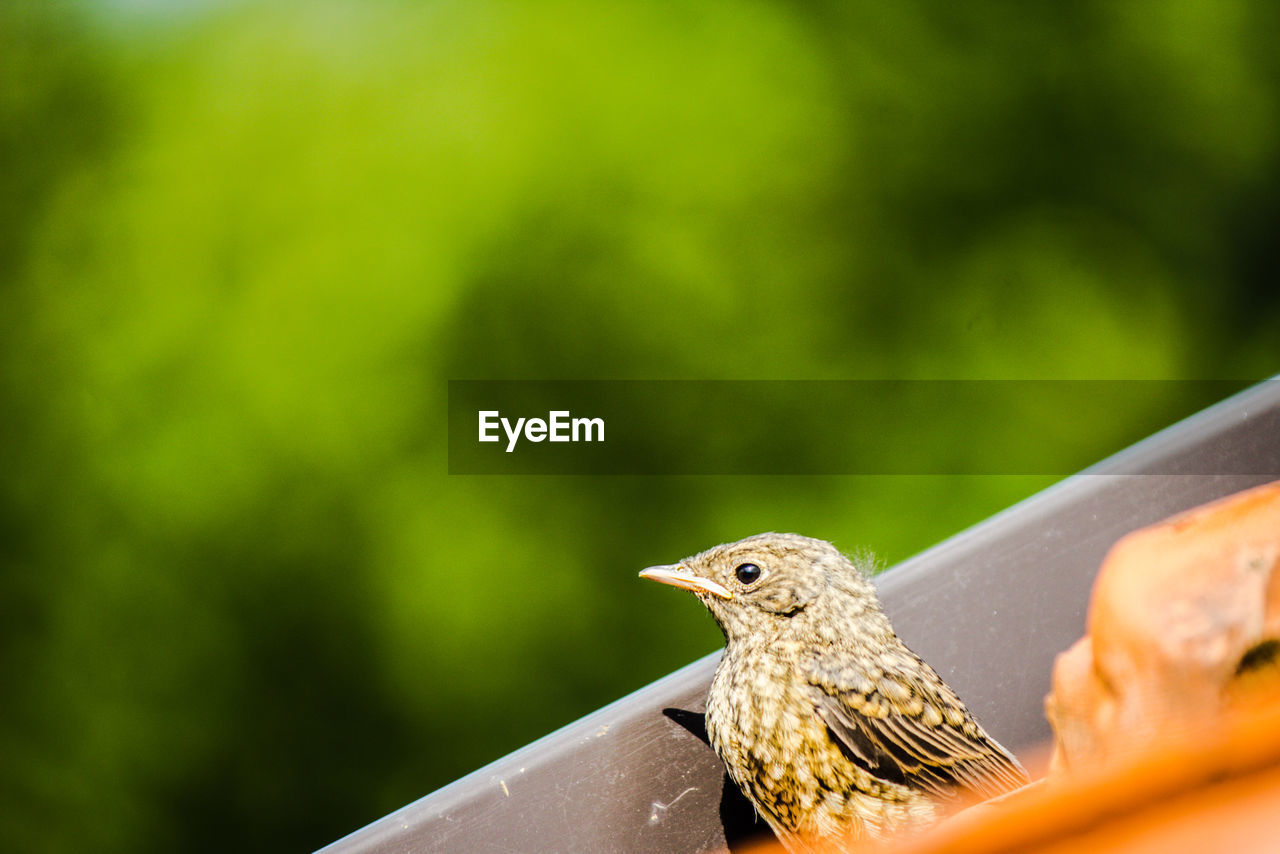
[897,719]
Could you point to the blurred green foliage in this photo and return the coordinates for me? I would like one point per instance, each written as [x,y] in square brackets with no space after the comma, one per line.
[244,245]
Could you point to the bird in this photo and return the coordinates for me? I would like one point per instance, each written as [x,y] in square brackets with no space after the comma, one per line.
[832,728]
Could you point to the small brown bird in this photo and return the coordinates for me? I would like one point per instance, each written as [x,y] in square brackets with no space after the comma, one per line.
[823,717]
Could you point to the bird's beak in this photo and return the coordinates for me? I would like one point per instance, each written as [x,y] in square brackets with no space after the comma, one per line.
[678,576]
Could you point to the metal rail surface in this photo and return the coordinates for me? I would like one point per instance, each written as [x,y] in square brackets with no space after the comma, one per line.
[636,775]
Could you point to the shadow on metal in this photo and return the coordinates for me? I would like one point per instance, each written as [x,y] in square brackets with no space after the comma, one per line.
[741,825]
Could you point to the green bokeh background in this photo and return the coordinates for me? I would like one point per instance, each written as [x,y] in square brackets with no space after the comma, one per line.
[243,246]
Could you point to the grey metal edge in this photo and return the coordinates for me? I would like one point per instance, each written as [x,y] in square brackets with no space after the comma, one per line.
[990,608]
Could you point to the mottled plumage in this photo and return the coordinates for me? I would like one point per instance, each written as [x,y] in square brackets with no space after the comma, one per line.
[823,717]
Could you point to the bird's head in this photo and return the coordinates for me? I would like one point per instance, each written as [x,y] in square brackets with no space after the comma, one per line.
[758,583]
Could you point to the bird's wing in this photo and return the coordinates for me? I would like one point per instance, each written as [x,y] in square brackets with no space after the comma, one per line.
[897,719]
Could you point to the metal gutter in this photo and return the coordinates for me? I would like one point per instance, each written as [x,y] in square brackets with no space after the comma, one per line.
[989,608]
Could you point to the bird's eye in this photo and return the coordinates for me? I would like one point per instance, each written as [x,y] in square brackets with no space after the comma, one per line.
[747,573]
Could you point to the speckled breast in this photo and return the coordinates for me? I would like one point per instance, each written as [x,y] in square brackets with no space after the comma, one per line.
[762,722]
